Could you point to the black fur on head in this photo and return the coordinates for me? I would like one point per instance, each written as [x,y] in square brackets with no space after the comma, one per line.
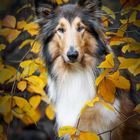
[88,10]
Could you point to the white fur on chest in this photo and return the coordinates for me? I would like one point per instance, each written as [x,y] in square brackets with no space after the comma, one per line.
[69,94]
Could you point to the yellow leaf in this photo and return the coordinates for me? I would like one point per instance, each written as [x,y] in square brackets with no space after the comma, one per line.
[32,28]
[88,136]
[9,21]
[5,105]
[10,34]
[91,103]
[6,73]
[132,64]
[18,112]
[101,76]
[2,47]
[59,2]
[16,77]
[108,63]
[13,35]
[5,32]
[43,76]
[8,118]
[30,18]
[35,80]
[22,103]
[36,46]
[107,92]
[110,33]
[105,21]
[119,81]
[22,85]
[26,120]
[31,117]
[34,89]
[1,129]
[21,24]
[36,84]
[35,115]
[45,98]
[135,68]
[124,21]
[132,47]
[50,112]
[137,108]
[121,30]
[108,106]
[133,17]
[125,63]
[29,67]
[66,130]
[108,11]
[35,101]
[25,63]
[120,40]
[26,42]
[137,23]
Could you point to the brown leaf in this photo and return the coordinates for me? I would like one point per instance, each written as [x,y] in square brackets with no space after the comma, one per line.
[9,21]
[21,24]
[10,34]
[5,105]
[8,118]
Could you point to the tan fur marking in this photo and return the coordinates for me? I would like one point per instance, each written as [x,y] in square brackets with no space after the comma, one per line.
[83,42]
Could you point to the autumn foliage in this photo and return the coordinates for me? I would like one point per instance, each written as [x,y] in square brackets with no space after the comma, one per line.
[22,86]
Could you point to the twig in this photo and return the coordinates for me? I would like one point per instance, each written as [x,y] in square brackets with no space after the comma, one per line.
[108,131]
[13,86]
[120,112]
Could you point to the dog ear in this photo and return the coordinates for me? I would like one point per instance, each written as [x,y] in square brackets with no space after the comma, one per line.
[90,5]
[44,7]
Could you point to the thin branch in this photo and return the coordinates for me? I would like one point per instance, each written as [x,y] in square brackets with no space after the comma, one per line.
[124,121]
[108,131]
[119,112]
[13,86]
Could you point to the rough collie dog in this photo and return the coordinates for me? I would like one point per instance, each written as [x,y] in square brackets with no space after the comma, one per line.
[72,48]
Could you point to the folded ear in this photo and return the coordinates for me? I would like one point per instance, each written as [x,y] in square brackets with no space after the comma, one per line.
[44,7]
[90,5]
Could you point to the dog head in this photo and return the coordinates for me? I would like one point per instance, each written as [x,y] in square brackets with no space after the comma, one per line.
[71,31]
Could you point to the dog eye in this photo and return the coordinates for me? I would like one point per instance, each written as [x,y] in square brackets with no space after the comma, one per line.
[61,30]
[80,28]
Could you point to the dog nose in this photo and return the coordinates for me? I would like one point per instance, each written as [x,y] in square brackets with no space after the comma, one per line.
[72,55]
